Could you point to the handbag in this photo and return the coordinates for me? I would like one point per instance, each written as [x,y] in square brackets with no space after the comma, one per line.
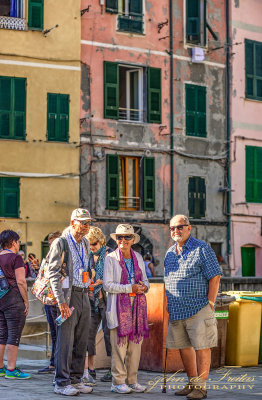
[4,285]
[42,289]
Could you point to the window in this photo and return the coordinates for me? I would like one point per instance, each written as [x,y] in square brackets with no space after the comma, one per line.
[217,247]
[196,197]
[130,183]
[123,93]
[254,174]
[130,18]
[196,22]
[35,14]
[195,110]
[253,69]
[12,108]
[12,14]
[9,197]
[57,117]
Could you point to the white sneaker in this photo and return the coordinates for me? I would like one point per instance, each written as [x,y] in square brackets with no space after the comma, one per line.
[87,379]
[82,388]
[136,387]
[68,390]
[123,388]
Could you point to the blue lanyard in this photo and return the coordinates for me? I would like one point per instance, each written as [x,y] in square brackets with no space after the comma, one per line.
[81,258]
[185,254]
[10,251]
[131,272]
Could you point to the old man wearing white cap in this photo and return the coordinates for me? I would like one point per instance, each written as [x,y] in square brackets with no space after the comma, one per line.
[126,282]
[71,290]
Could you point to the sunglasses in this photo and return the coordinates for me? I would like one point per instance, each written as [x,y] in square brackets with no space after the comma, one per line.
[178,227]
[84,222]
[93,244]
[126,237]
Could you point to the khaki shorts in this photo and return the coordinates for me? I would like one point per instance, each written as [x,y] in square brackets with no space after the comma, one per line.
[198,331]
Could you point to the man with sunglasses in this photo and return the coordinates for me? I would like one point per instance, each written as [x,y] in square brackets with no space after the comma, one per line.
[71,290]
[192,276]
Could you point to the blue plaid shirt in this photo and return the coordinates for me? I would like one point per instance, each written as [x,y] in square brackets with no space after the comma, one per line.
[186,277]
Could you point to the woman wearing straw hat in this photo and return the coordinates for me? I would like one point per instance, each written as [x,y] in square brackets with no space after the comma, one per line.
[126,282]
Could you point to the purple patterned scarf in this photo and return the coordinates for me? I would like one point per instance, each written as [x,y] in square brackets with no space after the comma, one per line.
[132,321]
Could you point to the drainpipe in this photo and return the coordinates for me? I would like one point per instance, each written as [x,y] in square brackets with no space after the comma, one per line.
[228,49]
[171,108]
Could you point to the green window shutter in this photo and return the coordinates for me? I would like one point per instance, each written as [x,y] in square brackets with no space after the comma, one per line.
[195,110]
[57,117]
[249,56]
[111,90]
[19,107]
[112,6]
[196,197]
[9,197]
[149,183]
[193,21]
[5,107]
[112,182]
[250,173]
[259,174]
[154,95]
[253,64]
[63,117]
[35,14]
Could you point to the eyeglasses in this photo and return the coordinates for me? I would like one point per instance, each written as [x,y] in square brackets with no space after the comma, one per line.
[178,227]
[93,244]
[84,222]
[126,237]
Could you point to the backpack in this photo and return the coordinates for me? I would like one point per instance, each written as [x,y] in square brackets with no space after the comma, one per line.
[42,289]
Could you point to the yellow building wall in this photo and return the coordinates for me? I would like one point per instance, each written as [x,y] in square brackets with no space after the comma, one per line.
[50,64]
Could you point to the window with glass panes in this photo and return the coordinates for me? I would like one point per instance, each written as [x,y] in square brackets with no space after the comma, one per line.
[254,174]
[130,183]
[253,69]
[195,110]
[57,117]
[124,93]
[196,197]
[12,108]
[9,197]
[196,22]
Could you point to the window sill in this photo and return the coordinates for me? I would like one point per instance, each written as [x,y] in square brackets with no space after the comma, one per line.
[12,138]
[195,136]
[253,99]
[18,24]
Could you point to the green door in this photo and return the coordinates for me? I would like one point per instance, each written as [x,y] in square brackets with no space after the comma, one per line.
[248,261]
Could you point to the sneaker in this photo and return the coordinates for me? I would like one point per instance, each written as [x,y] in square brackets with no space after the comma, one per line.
[107,377]
[16,374]
[123,389]
[82,388]
[68,390]
[92,372]
[88,380]
[53,381]
[47,370]
[136,387]
[3,371]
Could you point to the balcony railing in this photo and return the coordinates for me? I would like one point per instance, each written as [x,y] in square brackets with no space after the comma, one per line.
[18,24]
[130,114]
[128,203]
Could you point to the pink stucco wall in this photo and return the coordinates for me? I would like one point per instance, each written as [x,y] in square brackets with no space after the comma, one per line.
[246,131]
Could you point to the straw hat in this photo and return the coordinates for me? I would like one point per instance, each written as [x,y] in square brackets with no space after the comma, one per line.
[125,229]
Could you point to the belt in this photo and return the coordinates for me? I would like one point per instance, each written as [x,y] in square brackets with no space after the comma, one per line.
[79,289]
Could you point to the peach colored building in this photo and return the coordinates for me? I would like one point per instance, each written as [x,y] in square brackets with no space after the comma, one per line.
[153,118]
[246,139]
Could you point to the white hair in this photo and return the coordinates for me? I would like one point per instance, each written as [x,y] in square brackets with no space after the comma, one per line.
[180,216]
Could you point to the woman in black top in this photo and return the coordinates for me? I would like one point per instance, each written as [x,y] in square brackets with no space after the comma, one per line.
[13,304]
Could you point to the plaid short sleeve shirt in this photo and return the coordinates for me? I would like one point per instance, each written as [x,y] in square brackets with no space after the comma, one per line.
[186,278]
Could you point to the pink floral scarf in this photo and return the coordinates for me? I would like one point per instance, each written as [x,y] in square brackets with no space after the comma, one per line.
[132,321]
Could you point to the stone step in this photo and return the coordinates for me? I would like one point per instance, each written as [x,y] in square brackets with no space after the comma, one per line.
[32,352]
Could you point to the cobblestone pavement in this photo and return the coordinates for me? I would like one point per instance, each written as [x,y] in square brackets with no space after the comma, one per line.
[227,383]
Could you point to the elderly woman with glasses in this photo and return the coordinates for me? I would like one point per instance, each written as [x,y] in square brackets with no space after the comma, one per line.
[126,282]
[97,297]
